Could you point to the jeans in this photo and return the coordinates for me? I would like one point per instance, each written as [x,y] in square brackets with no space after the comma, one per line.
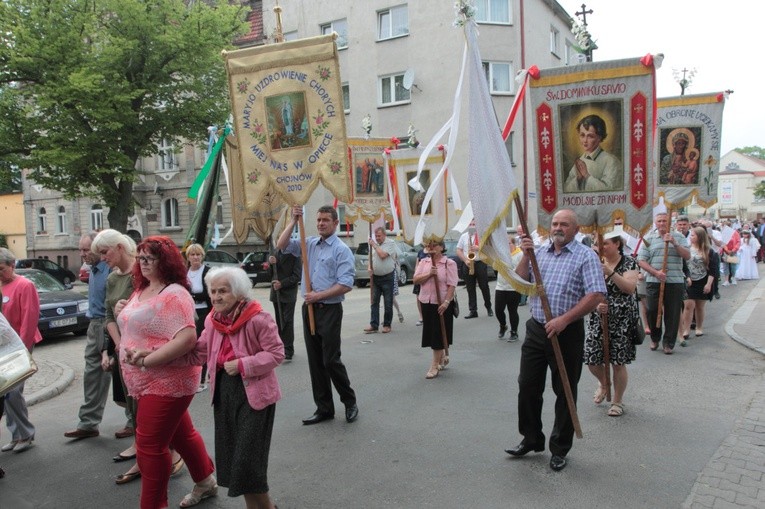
[382,285]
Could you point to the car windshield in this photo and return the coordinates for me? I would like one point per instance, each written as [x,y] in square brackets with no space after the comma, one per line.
[220,256]
[363,249]
[42,281]
[256,257]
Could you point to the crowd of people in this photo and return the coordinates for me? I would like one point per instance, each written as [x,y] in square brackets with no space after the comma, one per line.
[157,318]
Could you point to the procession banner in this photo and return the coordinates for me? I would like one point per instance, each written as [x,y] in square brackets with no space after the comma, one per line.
[593,140]
[688,148]
[490,175]
[368,178]
[402,164]
[289,121]
[261,218]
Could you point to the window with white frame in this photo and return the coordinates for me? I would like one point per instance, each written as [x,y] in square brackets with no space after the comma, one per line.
[61,223]
[96,218]
[170,213]
[568,53]
[492,11]
[340,26]
[499,75]
[167,159]
[393,22]
[290,36]
[346,98]
[345,227]
[42,221]
[391,90]
[554,41]
[509,147]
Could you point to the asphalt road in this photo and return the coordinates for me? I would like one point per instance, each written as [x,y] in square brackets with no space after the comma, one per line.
[432,443]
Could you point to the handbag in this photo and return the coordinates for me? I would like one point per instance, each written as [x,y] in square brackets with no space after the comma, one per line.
[731,259]
[455,306]
[15,367]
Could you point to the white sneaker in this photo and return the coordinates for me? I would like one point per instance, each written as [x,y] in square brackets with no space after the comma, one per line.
[725,283]
[733,281]
[9,446]
[23,445]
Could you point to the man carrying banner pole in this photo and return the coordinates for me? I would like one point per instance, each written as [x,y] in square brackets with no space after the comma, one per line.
[572,274]
[331,274]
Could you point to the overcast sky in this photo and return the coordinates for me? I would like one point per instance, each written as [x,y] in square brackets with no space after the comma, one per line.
[721,40]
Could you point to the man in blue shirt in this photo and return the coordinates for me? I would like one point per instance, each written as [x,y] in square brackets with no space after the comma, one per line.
[95,380]
[330,264]
[574,283]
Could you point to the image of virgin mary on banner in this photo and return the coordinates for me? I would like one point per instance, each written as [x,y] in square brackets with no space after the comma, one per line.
[688,148]
[289,122]
[592,129]
[401,166]
[369,181]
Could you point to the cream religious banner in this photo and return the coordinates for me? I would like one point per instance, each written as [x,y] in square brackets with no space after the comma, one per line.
[289,120]
[369,181]
[402,165]
[593,142]
[688,148]
[261,218]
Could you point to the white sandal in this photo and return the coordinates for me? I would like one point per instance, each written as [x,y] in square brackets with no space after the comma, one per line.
[198,494]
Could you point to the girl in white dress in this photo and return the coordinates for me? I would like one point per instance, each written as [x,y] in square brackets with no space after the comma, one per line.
[747,256]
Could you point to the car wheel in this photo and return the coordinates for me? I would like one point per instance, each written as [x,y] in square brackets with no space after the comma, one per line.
[67,280]
[361,283]
[403,276]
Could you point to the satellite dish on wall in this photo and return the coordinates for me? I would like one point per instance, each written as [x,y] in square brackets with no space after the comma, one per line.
[408,79]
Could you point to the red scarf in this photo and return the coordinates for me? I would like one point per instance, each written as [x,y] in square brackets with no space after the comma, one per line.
[241,314]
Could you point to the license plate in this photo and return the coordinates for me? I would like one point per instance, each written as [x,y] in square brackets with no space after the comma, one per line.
[63,322]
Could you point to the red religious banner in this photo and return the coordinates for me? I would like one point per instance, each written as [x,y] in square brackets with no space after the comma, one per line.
[547,167]
[639,154]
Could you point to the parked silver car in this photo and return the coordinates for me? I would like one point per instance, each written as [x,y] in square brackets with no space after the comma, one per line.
[407,260]
[218,258]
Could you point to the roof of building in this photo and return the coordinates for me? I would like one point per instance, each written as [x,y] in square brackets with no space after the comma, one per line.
[255,18]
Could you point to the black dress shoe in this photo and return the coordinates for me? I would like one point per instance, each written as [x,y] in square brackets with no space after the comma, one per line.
[471,315]
[351,413]
[491,313]
[522,449]
[317,418]
[557,463]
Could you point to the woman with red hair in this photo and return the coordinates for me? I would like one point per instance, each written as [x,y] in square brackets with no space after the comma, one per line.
[159,317]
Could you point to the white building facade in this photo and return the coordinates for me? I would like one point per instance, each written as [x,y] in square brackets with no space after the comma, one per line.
[379,42]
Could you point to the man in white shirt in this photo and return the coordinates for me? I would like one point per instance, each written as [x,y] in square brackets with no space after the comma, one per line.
[468,243]
[382,257]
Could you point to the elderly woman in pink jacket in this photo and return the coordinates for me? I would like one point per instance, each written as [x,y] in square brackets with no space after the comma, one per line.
[241,346]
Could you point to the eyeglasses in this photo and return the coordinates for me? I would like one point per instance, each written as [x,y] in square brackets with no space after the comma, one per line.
[146,260]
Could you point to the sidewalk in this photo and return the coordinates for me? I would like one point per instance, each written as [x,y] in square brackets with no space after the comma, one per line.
[735,476]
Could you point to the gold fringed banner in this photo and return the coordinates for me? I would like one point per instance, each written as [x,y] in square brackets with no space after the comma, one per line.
[370,185]
[593,136]
[688,148]
[403,164]
[261,219]
[289,120]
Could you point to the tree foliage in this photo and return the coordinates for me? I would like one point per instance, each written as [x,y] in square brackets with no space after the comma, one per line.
[87,87]
[753,151]
[759,190]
